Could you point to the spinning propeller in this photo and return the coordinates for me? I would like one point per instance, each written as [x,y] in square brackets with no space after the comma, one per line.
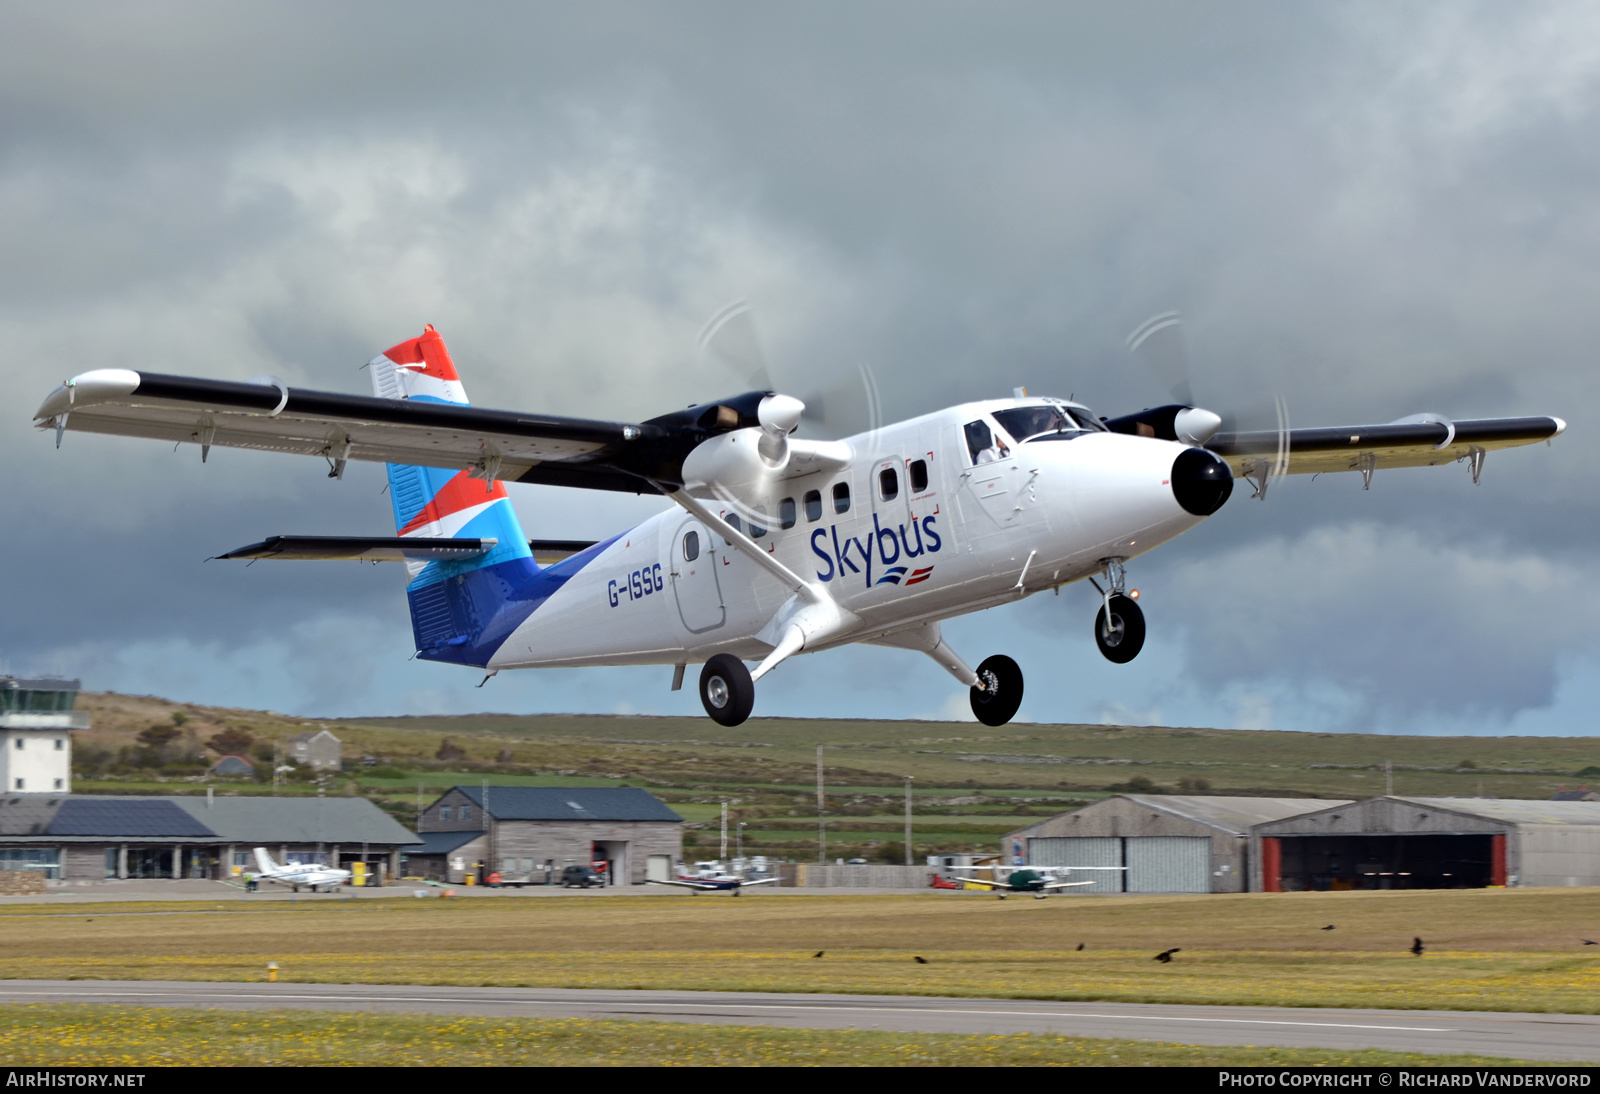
[847,405]
[1159,343]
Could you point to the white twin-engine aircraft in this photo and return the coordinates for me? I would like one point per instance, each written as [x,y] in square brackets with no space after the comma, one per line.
[777,545]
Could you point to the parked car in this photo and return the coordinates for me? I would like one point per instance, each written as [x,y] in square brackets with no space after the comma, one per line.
[581,876]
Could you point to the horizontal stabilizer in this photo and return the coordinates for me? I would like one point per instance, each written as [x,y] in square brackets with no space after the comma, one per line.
[366,548]
[547,551]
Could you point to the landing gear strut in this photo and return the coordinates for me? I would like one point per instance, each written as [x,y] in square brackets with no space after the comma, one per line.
[1119,625]
[726,690]
[995,702]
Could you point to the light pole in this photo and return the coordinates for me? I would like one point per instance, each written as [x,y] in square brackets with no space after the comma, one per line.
[722,850]
[822,823]
[739,835]
[909,860]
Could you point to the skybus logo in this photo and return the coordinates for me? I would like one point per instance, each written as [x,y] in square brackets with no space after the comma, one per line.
[885,546]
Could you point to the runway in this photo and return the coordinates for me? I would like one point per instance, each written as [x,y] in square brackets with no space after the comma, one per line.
[1546,1037]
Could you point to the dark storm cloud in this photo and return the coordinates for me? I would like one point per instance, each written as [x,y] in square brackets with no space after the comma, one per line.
[1368,211]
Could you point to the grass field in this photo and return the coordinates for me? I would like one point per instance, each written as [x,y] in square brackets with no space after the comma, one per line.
[1518,950]
[118,1036]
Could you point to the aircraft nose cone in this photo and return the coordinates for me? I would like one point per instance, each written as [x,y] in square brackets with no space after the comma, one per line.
[1201,481]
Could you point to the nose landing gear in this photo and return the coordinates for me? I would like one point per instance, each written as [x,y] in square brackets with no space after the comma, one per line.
[1119,625]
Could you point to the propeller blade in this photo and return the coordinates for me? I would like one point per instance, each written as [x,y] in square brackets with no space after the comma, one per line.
[730,336]
[1158,342]
[851,405]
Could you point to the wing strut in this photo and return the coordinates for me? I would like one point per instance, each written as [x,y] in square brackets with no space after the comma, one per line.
[809,617]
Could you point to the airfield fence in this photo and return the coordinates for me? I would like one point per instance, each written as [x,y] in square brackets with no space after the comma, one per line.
[824,876]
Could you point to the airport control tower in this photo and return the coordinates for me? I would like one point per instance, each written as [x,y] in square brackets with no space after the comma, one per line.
[36,724]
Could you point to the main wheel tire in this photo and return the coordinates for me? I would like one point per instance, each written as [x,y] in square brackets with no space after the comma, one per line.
[726,690]
[1124,638]
[996,703]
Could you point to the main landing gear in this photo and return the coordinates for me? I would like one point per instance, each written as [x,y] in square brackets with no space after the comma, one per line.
[726,690]
[998,693]
[1119,625]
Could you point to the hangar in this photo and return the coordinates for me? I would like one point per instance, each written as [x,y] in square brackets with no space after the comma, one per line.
[1432,843]
[1167,843]
[534,832]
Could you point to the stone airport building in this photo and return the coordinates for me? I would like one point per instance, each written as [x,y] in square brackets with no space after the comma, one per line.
[530,834]
[70,838]
[1198,844]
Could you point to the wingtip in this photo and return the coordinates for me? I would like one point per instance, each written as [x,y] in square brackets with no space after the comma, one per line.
[94,386]
[1561,426]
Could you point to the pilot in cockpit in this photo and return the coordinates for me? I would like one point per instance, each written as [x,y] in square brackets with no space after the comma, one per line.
[983,445]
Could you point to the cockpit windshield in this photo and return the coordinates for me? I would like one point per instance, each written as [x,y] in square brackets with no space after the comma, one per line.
[1024,423]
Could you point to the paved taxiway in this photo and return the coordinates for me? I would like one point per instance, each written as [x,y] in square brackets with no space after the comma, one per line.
[1550,1037]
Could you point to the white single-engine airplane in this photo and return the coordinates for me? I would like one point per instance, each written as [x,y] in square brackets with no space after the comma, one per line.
[777,545]
[712,881]
[1040,883]
[310,875]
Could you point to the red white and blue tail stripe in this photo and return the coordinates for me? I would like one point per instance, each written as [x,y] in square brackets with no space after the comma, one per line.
[458,607]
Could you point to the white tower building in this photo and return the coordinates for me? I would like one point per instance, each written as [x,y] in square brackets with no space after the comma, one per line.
[36,724]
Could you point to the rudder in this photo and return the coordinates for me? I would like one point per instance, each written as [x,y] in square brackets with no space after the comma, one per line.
[454,604]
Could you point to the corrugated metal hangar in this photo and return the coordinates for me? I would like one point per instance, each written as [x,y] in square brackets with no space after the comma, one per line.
[1433,843]
[1179,844]
[1167,843]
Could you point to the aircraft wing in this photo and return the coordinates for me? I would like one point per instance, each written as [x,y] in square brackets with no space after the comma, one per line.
[984,882]
[762,881]
[1422,441]
[695,885]
[268,415]
[1067,884]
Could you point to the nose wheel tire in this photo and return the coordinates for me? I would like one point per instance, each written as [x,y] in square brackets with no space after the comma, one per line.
[726,690]
[1122,640]
[997,701]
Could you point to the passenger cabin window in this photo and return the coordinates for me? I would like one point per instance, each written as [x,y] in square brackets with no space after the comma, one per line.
[888,484]
[841,503]
[813,505]
[19,742]
[691,546]
[786,513]
[758,523]
[982,445]
[733,521]
[919,476]
[60,745]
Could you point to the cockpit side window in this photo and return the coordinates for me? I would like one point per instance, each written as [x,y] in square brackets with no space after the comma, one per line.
[982,445]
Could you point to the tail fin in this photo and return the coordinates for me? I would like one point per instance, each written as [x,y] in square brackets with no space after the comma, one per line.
[264,861]
[453,603]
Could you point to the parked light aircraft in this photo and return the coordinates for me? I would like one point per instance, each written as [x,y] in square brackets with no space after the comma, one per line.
[777,545]
[1027,881]
[712,881]
[310,875]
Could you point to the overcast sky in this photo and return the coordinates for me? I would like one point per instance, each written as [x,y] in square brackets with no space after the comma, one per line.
[1370,210]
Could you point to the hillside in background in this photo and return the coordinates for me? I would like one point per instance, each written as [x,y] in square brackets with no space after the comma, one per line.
[972,783]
